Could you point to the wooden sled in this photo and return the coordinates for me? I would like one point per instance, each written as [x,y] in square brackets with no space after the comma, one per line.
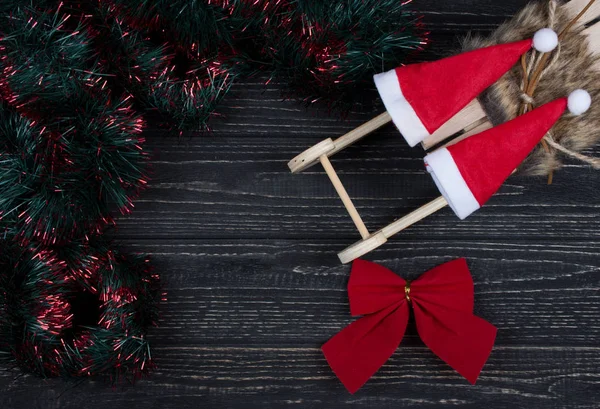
[470,121]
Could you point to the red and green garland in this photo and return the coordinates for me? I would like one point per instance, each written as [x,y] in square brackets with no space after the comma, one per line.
[79,80]
[77,310]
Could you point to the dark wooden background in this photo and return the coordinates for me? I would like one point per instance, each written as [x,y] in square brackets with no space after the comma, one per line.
[248,252]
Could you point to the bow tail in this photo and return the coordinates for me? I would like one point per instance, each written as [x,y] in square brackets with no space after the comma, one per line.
[358,351]
[462,340]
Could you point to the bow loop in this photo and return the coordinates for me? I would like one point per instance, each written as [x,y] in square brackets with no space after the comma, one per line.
[442,300]
[463,341]
[372,288]
[449,285]
[358,351]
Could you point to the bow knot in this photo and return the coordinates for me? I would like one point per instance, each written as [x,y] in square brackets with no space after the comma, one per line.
[442,301]
[407,290]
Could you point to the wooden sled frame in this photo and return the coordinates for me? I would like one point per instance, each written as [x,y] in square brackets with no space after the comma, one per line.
[469,121]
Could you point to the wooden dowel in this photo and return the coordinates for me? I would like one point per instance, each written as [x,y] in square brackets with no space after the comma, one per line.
[378,238]
[330,147]
[412,218]
[337,184]
[358,133]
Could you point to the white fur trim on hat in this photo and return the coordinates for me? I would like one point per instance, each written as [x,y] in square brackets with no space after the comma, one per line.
[404,116]
[450,182]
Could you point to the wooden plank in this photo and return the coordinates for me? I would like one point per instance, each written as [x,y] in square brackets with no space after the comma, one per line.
[230,187]
[484,125]
[248,254]
[294,376]
[575,6]
[251,292]
[593,34]
[471,114]
[244,321]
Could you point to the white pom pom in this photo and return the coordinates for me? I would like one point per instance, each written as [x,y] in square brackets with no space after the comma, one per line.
[545,40]
[579,102]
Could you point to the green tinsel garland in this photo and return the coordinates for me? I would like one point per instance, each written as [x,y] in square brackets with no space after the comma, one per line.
[178,58]
[324,49]
[77,310]
[73,148]
[76,80]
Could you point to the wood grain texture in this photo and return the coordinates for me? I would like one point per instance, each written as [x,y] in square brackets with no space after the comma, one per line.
[294,292]
[244,321]
[248,254]
[232,187]
[298,377]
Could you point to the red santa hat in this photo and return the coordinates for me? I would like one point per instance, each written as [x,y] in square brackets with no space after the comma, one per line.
[420,98]
[471,171]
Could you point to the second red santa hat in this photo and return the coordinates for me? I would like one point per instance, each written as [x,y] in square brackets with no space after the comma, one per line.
[471,171]
[420,98]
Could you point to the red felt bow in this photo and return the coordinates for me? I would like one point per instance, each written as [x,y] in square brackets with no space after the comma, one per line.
[442,300]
